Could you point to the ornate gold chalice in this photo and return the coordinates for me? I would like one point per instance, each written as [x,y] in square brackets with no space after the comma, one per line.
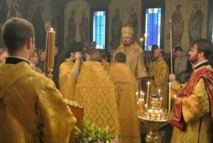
[155,118]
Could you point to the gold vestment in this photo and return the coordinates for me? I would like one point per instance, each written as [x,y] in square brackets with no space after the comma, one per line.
[67,80]
[96,92]
[159,69]
[37,69]
[197,115]
[105,65]
[43,99]
[134,58]
[130,125]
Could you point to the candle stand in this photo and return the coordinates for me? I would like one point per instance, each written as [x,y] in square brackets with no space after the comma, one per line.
[50,75]
[154,117]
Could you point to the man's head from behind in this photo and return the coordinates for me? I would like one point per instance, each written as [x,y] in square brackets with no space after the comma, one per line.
[120,57]
[95,55]
[18,34]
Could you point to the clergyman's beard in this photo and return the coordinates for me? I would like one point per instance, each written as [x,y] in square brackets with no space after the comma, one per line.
[126,44]
[193,59]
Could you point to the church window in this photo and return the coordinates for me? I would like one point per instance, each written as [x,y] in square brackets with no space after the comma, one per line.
[152,26]
[99,29]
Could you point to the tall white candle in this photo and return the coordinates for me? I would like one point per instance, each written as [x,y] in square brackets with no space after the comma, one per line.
[170,88]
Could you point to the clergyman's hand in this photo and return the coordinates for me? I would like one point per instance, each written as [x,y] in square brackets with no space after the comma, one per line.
[171,77]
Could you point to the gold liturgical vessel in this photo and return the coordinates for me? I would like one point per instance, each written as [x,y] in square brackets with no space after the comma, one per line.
[154,117]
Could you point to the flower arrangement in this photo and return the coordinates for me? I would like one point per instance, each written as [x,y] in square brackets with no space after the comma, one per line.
[93,134]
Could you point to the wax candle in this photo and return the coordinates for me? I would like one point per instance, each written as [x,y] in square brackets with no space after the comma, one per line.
[159,91]
[161,98]
[141,42]
[169,107]
[51,48]
[147,96]
[137,96]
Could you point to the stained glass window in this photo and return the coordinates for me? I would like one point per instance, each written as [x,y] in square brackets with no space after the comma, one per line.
[99,29]
[153,26]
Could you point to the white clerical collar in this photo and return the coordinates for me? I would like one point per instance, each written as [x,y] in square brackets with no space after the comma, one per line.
[200,63]
[33,65]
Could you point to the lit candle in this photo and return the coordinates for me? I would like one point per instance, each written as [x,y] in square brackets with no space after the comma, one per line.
[169,107]
[141,93]
[146,107]
[147,96]
[159,91]
[138,105]
[137,96]
[161,98]
[141,42]
[51,48]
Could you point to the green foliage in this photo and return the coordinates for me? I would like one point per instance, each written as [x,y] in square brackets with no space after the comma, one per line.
[93,134]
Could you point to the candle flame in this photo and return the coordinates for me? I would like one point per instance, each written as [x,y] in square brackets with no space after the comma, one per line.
[136,93]
[175,96]
[51,29]
[148,83]
[141,39]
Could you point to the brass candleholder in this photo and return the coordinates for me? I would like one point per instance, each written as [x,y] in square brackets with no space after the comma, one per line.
[50,75]
[154,118]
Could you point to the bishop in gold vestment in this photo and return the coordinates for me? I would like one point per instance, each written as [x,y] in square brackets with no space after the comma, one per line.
[133,53]
[130,127]
[96,92]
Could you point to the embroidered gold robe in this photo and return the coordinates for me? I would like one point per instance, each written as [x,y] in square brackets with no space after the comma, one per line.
[67,80]
[159,69]
[105,65]
[134,58]
[130,126]
[197,115]
[42,98]
[96,92]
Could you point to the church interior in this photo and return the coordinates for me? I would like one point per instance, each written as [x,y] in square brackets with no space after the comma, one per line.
[171,25]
